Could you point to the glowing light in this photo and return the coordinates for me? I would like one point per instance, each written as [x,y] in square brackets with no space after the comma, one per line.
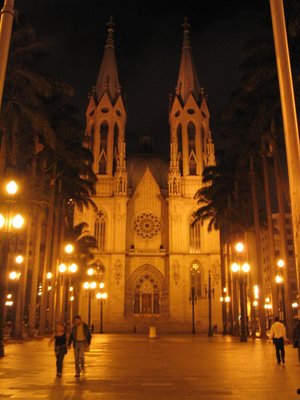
[62,268]
[90,271]
[235,267]
[101,285]
[73,268]
[49,288]
[280,263]
[49,275]
[86,285]
[295,305]
[256,291]
[9,296]
[19,259]
[104,296]
[72,298]
[267,300]
[17,221]
[221,298]
[71,288]
[9,303]
[278,279]
[69,248]
[12,187]
[227,299]
[93,285]
[255,303]
[239,247]
[245,267]
[13,275]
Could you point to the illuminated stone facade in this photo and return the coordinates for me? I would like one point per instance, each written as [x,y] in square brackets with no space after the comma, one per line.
[149,254]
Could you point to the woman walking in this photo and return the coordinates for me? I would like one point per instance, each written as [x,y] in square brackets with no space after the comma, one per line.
[60,346]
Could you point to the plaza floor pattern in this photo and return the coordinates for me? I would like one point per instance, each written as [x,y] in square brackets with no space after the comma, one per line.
[134,367]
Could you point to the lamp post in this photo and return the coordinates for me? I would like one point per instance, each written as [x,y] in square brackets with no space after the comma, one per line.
[280,282]
[68,269]
[11,222]
[209,291]
[242,270]
[89,286]
[101,296]
[225,299]
[268,307]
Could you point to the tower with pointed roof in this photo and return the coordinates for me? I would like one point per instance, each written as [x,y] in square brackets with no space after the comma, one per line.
[149,254]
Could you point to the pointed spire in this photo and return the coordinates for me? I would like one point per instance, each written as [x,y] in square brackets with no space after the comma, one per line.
[188,81]
[108,79]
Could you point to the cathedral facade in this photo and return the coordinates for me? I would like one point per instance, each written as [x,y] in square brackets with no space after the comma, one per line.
[158,268]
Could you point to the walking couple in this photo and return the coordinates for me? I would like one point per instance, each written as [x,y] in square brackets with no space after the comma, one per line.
[80,336]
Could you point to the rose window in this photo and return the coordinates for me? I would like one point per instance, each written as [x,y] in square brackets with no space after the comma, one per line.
[146,225]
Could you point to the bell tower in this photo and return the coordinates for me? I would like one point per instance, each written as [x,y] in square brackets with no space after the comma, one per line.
[191,148]
[106,121]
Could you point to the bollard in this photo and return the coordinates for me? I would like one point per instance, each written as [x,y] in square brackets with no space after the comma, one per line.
[152,332]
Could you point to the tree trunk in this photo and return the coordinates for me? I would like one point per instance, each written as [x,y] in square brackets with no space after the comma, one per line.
[270,235]
[35,273]
[23,286]
[46,282]
[261,310]
[283,244]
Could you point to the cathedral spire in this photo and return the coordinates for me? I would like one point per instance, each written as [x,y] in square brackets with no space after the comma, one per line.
[188,81]
[108,80]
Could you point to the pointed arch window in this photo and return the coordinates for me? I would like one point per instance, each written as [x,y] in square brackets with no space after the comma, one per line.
[195,237]
[179,144]
[103,147]
[191,130]
[196,280]
[116,138]
[100,230]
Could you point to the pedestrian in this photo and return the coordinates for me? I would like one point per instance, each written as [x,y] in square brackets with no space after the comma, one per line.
[60,346]
[81,338]
[296,336]
[278,335]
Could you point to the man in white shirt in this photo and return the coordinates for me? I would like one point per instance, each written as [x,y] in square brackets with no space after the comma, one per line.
[278,335]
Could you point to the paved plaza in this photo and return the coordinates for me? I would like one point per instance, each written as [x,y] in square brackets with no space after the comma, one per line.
[134,367]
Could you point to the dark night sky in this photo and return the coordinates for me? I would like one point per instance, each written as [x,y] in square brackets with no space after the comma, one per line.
[148,38]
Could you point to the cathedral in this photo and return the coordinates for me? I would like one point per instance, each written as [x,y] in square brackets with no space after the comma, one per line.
[158,268]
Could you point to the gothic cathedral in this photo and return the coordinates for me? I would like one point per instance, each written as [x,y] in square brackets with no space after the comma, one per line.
[158,269]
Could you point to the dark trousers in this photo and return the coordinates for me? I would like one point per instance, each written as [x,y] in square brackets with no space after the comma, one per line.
[279,345]
[60,352]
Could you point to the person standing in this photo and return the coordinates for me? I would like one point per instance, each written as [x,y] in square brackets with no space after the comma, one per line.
[296,336]
[278,335]
[81,338]
[60,346]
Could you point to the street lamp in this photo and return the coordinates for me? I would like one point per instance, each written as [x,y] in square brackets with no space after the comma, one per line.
[101,296]
[280,282]
[268,307]
[209,291]
[224,299]
[11,222]
[89,286]
[66,269]
[242,270]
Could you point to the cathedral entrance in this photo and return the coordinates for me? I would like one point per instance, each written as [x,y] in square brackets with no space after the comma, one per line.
[146,293]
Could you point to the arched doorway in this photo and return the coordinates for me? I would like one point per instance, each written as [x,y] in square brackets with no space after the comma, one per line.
[146,293]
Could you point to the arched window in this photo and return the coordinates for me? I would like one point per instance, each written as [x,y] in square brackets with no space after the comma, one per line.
[103,148]
[179,144]
[196,279]
[116,138]
[195,237]
[100,231]
[146,296]
[191,130]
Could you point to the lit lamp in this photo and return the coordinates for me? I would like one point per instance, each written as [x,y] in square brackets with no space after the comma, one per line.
[268,307]
[224,299]
[101,296]
[89,286]
[242,269]
[11,222]
[68,269]
[280,282]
